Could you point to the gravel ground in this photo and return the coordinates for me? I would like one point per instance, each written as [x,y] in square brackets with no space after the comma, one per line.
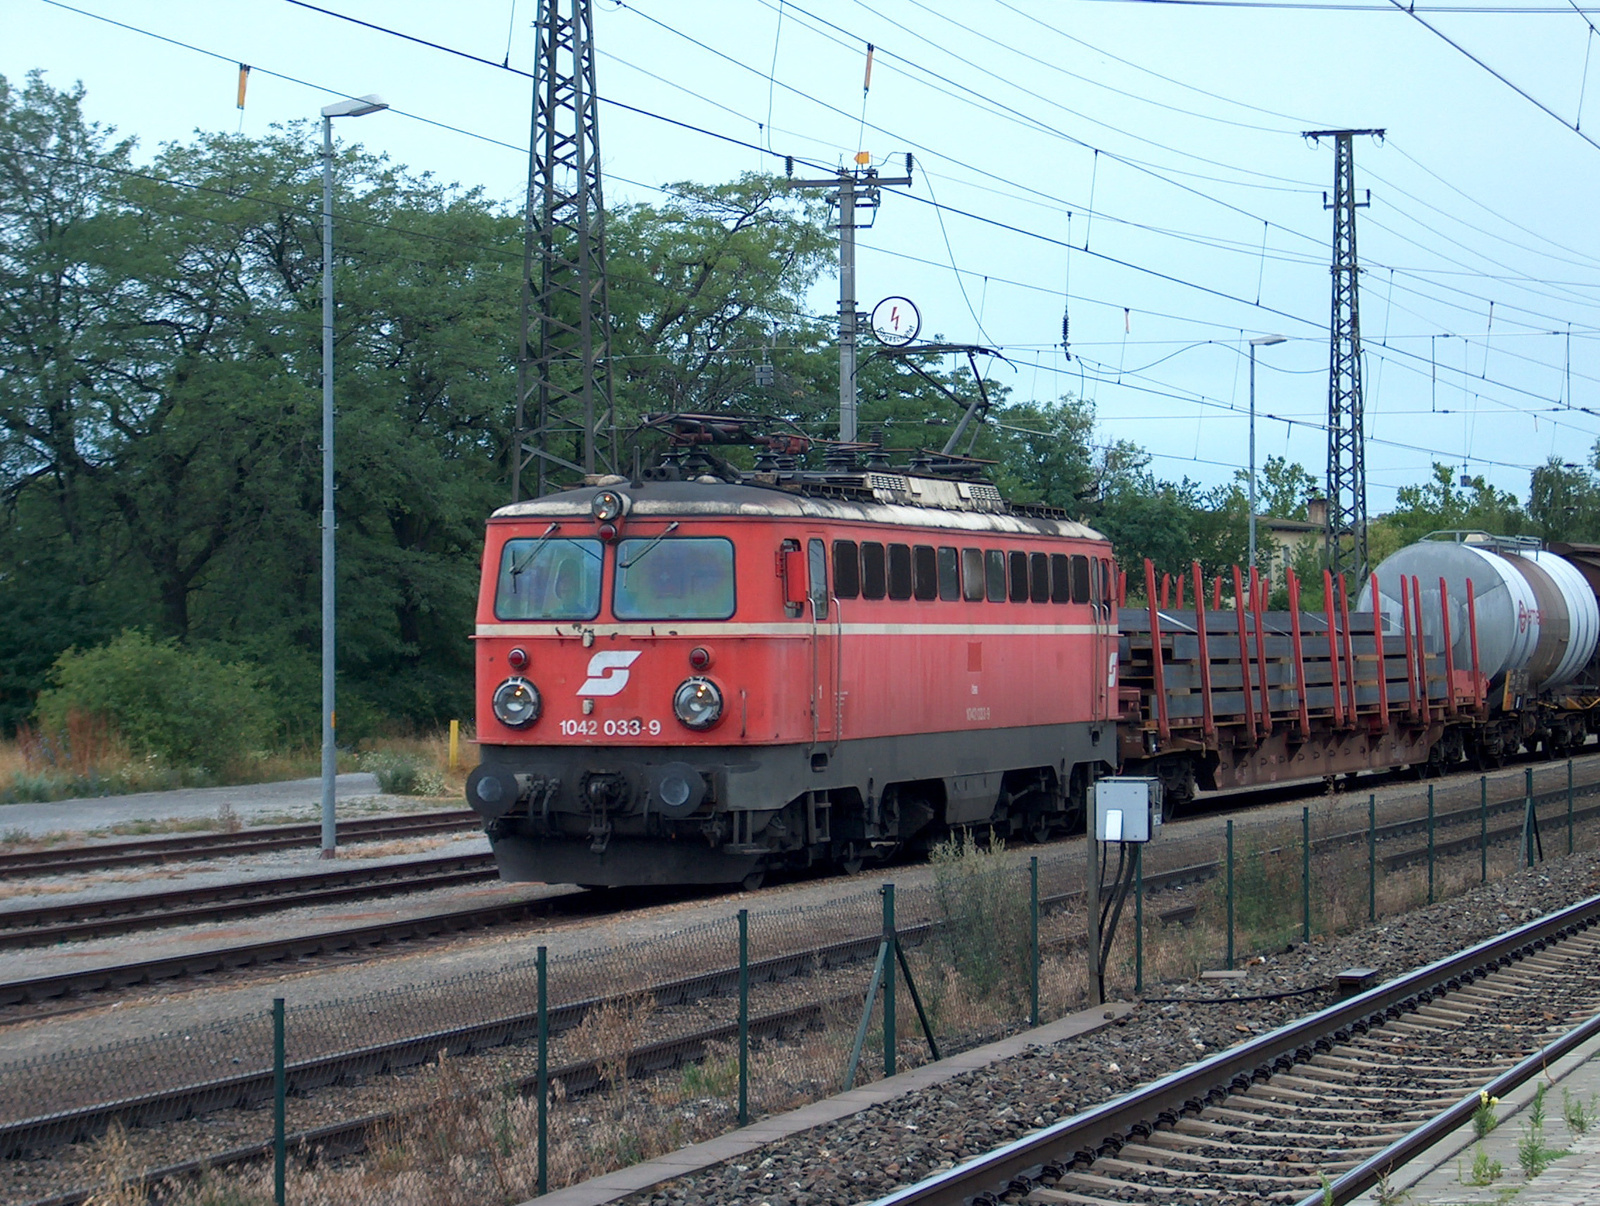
[901,1142]
[295,799]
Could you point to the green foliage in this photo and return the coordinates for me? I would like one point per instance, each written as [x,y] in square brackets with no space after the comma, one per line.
[983,936]
[1484,1119]
[1578,1114]
[713,1077]
[177,706]
[401,774]
[1485,1170]
[1533,1153]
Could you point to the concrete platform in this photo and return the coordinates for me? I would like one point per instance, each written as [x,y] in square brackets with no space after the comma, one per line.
[614,1186]
[1441,1176]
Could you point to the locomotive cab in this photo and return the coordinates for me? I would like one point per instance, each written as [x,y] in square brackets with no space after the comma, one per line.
[702,681]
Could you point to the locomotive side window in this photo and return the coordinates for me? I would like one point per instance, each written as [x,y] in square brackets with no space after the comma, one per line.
[949,575]
[545,579]
[817,577]
[1039,577]
[1019,577]
[972,575]
[899,571]
[995,573]
[871,569]
[846,569]
[674,578]
[1080,578]
[924,572]
[1060,579]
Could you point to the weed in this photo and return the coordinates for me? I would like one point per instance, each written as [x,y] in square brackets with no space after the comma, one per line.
[711,1077]
[982,944]
[1533,1153]
[1579,1116]
[402,774]
[112,1170]
[1485,1170]
[1483,1118]
[1388,1195]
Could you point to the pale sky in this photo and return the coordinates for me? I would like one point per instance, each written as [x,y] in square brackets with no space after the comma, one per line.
[1162,141]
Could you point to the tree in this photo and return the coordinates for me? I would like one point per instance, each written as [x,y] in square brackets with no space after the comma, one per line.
[1441,504]
[1283,489]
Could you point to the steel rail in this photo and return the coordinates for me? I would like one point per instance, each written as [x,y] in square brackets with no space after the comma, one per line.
[1369,1172]
[1107,1127]
[69,859]
[250,1089]
[230,957]
[578,1078]
[99,918]
[149,971]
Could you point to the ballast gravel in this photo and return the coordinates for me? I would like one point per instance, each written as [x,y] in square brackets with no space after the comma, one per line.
[872,1153]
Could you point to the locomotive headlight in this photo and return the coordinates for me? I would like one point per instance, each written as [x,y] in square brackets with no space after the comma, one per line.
[609,505]
[516,703]
[697,703]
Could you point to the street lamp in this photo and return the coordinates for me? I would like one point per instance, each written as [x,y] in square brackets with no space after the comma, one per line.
[358,107]
[1260,341]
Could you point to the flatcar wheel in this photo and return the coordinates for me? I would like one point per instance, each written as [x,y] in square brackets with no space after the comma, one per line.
[1038,829]
[850,861]
[753,881]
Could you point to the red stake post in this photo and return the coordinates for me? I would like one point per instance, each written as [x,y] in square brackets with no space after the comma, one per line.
[1405,627]
[1335,679]
[1208,722]
[1244,656]
[1349,652]
[1377,645]
[1472,628]
[1156,669]
[1299,654]
[1422,650]
[1256,598]
[1449,651]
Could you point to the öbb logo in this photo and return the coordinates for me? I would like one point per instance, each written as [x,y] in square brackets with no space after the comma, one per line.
[608,673]
[1528,617]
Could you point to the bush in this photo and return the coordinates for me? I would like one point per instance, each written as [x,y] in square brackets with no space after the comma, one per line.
[403,774]
[173,705]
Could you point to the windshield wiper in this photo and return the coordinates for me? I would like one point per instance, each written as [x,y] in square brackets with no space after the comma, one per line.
[640,556]
[531,554]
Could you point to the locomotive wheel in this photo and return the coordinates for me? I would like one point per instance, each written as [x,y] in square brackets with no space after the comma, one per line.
[753,881]
[850,860]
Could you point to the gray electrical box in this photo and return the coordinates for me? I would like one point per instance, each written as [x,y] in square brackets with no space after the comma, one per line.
[1126,809]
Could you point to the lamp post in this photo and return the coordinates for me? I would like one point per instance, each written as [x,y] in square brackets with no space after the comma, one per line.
[1260,341]
[358,107]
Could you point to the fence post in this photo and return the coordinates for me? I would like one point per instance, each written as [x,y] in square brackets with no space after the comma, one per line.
[1138,920]
[1430,843]
[1372,856]
[1569,805]
[744,1017]
[455,745]
[1033,949]
[1529,817]
[280,1150]
[1305,872]
[543,1085]
[1230,895]
[1483,829]
[889,1031]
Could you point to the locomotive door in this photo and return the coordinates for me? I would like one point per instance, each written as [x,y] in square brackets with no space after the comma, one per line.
[825,646]
[1103,663]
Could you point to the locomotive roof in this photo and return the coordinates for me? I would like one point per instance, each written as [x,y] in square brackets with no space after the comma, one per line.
[895,499]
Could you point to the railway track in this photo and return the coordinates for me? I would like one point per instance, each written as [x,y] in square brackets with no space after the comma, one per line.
[63,860]
[46,925]
[276,950]
[1346,1093]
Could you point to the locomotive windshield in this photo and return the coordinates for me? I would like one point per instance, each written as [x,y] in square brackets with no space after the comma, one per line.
[675,578]
[549,579]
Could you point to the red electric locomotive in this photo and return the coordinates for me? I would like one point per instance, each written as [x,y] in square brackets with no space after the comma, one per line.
[705,676]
